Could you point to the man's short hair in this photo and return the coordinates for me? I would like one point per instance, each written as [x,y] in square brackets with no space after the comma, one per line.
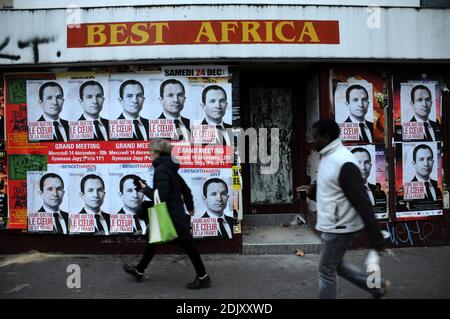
[167,82]
[90,176]
[327,127]
[210,181]
[46,176]
[354,87]
[49,84]
[419,147]
[129,82]
[418,87]
[210,88]
[135,179]
[82,86]
[361,149]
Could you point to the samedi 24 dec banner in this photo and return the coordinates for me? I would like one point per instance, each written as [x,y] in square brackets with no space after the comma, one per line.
[89,128]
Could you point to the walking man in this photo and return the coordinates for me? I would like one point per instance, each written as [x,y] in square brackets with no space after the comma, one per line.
[343,209]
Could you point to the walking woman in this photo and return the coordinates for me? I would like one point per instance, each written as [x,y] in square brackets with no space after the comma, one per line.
[173,190]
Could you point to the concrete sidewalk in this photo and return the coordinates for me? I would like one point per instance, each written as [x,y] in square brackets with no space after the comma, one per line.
[414,272]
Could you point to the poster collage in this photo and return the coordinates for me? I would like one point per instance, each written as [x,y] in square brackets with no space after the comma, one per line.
[86,144]
[3,173]
[73,145]
[418,148]
[359,101]
[359,105]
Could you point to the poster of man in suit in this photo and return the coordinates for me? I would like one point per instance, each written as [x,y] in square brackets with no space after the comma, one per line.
[420,179]
[214,214]
[129,205]
[354,111]
[215,127]
[47,204]
[372,164]
[417,111]
[88,104]
[129,104]
[89,199]
[47,117]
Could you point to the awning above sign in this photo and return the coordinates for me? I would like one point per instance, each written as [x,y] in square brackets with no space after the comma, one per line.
[202,32]
[213,33]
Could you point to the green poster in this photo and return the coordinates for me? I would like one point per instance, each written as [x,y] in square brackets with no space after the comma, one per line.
[19,165]
[17,91]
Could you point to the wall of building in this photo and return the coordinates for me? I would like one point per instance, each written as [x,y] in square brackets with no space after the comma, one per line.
[47,4]
[58,36]
[42,38]
[405,232]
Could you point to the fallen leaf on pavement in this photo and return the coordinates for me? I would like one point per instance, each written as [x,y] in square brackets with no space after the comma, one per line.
[300,253]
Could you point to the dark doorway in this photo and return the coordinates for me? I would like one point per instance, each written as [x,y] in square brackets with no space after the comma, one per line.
[274,99]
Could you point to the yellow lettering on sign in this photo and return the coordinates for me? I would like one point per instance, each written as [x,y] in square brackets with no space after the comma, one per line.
[269,31]
[95,31]
[117,29]
[279,31]
[250,29]
[227,27]
[206,30]
[140,30]
[159,30]
[310,31]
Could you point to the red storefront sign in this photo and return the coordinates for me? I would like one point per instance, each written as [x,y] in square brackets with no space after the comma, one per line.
[202,32]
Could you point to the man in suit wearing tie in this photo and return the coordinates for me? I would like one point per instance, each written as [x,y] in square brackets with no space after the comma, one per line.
[421,102]
[214,104]
[51,189]
[93,194]
[215,196]
[51,100]
[91,99]
[133,197]
[423,162]
[172,97]
[365,165]
[132,99]
[357,101]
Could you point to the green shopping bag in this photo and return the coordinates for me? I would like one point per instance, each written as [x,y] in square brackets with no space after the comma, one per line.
[161,227]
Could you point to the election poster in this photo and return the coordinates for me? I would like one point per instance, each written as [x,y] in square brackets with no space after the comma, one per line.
[47,203]
[127,199]
[92,133]
[371,161]
[358,100]
[89,198]
[3,191]
[46,114]
[2,116]
[3,160]
[212,190]
[19,166]
[419,180]
[88,105]
[417,110]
